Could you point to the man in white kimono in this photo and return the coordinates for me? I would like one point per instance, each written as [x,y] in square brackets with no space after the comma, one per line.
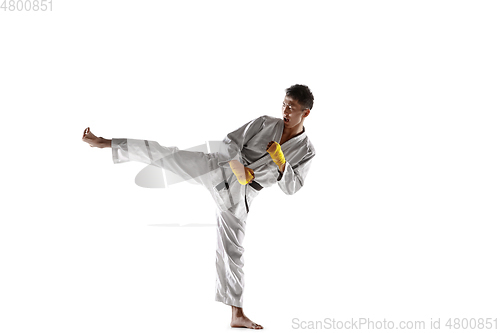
[265,151]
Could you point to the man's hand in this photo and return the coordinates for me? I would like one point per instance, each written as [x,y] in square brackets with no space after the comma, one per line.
[243,174]
[95,141]
[274,149]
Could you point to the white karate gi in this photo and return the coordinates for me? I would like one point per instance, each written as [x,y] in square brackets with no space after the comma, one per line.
[248,145]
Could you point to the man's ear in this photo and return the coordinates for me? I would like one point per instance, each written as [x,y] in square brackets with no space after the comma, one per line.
[306,112]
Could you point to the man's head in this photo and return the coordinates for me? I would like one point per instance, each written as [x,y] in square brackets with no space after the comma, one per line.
[302,94]
[297,105]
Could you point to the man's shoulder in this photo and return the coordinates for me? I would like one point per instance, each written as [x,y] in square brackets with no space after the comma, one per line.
[269,119]
[309,145]
[264,121]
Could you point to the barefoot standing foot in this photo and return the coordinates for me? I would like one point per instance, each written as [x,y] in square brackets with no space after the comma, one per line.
[239,319]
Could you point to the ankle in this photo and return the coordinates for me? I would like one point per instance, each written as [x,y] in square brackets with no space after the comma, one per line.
[237,312]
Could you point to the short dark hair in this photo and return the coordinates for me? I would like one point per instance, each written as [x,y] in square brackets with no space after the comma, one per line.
[301,94]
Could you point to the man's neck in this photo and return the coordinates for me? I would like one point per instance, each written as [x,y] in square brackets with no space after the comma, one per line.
[289,133]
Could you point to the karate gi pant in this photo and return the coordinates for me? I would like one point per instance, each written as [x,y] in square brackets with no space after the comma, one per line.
[233,201]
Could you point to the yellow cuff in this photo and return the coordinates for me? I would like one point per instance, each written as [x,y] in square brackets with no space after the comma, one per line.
[243,179]
[276,154]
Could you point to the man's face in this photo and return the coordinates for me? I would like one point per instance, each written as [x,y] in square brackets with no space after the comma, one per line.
[293,113]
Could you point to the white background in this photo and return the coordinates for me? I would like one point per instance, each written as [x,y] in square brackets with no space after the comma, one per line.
[399,216]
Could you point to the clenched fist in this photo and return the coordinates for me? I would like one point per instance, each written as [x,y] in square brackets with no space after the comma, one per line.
[243,174]
[274,149]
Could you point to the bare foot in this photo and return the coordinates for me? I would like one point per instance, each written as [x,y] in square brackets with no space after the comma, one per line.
[95,141]
[240,320]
